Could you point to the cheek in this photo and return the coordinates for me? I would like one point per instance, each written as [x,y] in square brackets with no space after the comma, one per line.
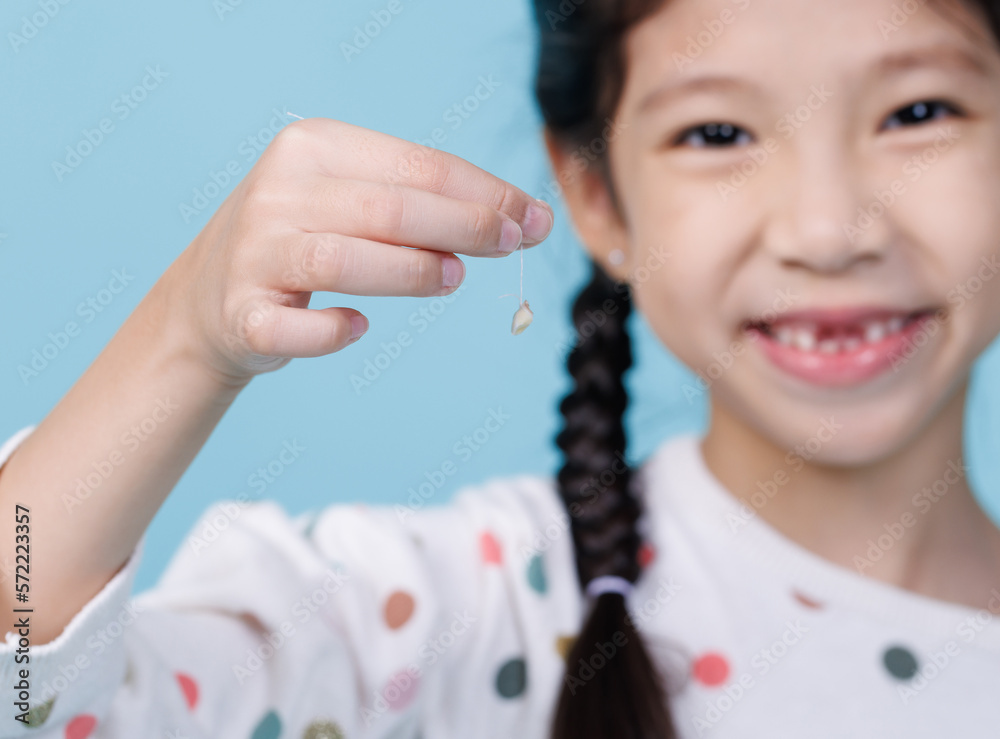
[953,211]
[683,250]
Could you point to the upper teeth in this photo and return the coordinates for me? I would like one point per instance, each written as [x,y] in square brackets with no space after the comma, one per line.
[805,336]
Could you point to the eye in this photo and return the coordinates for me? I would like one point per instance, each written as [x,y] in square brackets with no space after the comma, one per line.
[714,135]
[922,112]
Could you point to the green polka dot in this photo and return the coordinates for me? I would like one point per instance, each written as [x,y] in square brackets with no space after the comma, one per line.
[536,574]
[900,662]
[512,677]
[323,730]
[36,716]
[268,728]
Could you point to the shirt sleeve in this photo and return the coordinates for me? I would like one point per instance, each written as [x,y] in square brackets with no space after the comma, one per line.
[353,621]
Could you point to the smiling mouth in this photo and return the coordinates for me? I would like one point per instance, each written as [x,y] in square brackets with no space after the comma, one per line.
[843,347]
[835,335]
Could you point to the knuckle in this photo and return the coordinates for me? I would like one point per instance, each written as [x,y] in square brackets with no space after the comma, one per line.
[508,202]
[426,168]
[424,273]
[382,209]
[483,226]
[328,258]
[294,136]
[259,196]
[257,328]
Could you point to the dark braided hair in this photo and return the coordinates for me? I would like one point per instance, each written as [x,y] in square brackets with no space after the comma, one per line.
[581,72]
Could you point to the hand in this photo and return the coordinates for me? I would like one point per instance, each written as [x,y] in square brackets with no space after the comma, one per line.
[332,206]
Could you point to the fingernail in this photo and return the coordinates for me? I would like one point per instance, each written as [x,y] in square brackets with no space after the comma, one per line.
[510,237]
[359,324]
[538,222]
[454,272]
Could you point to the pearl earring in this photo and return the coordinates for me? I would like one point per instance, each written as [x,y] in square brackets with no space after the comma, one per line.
[616,257]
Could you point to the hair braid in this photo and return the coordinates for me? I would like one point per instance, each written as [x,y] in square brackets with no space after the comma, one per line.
[622,698]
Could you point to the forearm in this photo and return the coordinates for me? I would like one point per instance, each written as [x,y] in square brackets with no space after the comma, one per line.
[99,465]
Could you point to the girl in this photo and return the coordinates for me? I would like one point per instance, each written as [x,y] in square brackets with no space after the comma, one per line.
[801,200]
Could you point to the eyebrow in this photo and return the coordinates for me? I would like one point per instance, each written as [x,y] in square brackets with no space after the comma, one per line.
[942,55]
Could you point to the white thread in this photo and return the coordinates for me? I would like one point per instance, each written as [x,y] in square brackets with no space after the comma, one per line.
[288,112]
[609,584]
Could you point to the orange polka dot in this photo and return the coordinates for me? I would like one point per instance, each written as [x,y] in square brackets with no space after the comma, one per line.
[398,609]
[647,553]
[80,727]
[189,687]
[711,669]
[489,549]
[806,600]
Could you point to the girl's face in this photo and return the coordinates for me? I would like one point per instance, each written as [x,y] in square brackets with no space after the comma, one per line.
[779,157]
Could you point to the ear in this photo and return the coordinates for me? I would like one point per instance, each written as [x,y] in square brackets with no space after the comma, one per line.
[596,222]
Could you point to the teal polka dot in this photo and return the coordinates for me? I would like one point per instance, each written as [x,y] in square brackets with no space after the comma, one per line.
[536,574]
[268,728]
[512,677]
[900,662]
[38,714]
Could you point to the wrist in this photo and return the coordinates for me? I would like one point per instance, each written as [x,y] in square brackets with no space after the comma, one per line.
[185,343]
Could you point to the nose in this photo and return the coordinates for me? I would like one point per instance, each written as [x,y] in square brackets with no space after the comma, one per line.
[823,218]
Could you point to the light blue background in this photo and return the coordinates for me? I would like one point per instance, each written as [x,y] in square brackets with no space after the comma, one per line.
[119,209]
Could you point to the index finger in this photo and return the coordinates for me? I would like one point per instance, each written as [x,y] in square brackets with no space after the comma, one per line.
[394,160]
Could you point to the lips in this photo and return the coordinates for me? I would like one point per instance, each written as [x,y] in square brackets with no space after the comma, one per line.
[835,331]
[842,347]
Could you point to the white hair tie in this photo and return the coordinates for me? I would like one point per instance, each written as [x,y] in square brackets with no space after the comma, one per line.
[609,584]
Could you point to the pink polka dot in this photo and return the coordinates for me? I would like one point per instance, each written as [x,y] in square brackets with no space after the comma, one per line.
[189,687]
[489,548]
[806,600]
[647,553]
[400,690]
[80,726]
[711,669]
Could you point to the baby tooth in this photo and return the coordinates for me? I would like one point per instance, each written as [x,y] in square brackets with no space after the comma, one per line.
[874,331]
[895,324]
[851,343]
[785,335]
[829,346]
[804,339]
